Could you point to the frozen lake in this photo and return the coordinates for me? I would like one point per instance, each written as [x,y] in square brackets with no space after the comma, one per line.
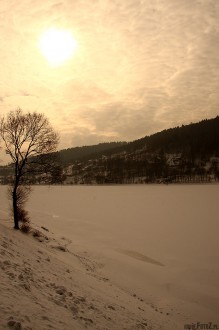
[162,240]
[161,221]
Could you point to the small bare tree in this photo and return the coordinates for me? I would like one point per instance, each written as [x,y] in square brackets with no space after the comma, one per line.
[29,140]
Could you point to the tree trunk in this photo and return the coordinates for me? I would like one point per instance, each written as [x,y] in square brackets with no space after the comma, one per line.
[15,209]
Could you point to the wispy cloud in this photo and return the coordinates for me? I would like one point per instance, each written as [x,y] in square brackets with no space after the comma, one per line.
[141,65]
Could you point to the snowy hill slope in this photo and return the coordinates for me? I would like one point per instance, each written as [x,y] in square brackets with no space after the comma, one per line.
[44,286]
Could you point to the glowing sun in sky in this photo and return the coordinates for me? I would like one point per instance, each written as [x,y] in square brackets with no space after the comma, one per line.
[57,46]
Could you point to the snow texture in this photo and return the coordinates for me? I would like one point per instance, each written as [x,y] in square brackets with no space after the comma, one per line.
[111,257]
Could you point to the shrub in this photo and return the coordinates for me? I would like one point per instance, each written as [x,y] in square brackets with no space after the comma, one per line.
[25,228]
[23,215]
[36,233]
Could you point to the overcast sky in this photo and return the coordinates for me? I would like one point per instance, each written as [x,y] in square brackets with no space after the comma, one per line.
[141,65]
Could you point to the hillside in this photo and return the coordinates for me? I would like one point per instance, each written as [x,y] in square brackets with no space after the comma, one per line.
[199,137]
[189,153]
[45,285]
[68,156]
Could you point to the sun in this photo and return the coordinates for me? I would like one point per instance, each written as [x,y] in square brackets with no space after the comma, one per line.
[57,46]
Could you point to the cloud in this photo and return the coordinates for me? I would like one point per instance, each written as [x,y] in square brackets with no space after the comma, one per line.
[141,66]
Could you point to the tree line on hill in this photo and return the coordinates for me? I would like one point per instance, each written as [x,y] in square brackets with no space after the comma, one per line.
[189,153]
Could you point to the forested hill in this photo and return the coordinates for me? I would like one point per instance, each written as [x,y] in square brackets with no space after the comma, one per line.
[68,156]
[198,138]
[189,153]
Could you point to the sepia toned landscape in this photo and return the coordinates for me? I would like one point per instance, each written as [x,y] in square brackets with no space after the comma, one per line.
[109,164]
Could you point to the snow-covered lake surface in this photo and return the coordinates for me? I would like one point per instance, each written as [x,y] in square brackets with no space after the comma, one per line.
[159,241]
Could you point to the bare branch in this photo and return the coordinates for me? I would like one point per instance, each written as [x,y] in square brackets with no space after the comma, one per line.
[26,136]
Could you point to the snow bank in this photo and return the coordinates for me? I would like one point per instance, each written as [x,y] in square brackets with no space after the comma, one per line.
[122,257]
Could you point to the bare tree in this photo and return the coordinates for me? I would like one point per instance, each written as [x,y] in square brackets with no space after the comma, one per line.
[29,140]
